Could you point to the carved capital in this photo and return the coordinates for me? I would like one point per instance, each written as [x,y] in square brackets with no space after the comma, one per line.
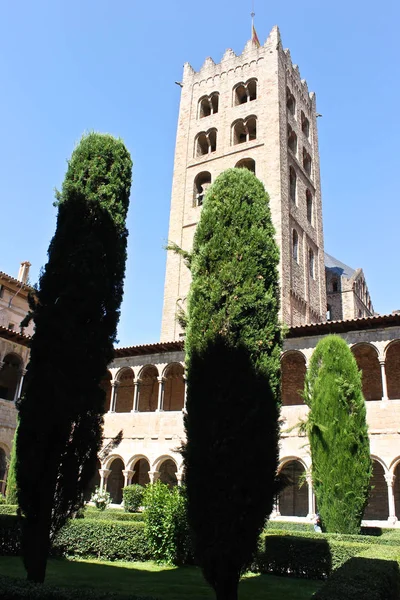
[389,478]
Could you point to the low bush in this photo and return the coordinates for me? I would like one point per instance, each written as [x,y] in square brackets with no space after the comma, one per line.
[20,589]
[289,526]
[362,579]
[133,497]
[8,509]
[108,540]
[112,514]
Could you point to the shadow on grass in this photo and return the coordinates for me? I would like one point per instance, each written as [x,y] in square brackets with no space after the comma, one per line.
[161,582]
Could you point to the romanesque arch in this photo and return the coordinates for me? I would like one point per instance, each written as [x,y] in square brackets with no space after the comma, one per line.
[366,356]
[148,389]
[293,500]
[10,376]
[392,369]
[293,372]
[115,480]
[124,392]
[378,505]
[174,387]
[93,483]
[168,470]
[105,385]
[141,468]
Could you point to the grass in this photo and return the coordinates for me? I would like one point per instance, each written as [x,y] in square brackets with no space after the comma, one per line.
[163,582]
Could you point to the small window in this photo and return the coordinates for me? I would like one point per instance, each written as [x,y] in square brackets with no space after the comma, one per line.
[292,184]
[305,125]
[245,92]
[306,162]
[311,265]
[292,140]
[214,103]
[295,245]
[335,285]
[244,130]
[309,203]
[251,125]
[208,105]
[201,184]
[247,163]
[206,142]
[329,313]
[290,102]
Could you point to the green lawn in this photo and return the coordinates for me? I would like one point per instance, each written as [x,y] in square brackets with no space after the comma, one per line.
[166,583]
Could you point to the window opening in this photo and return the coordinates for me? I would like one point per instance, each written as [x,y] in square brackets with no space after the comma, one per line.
[247,163]
[201,184]
[305,125]
[292,140]
[252,89]
[295,244]
[206,142]
[292,184]
[290,102]
[309,203]
[245,130]
[311,263]
[306,162]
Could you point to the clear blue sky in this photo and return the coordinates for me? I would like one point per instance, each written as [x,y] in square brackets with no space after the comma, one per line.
[69,67]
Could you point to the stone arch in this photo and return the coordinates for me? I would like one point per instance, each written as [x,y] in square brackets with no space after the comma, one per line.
[366,356]
[293,499]
[205,142]
[115,480]
[105,385]
[10,375]
[201,184]
[168,470]
[148,389]
[124,391]
[378,504]
[208,105]
[174,387]
[141,465]
[392,369]
[93,483]
[244,130]
[293,372]
[247,163]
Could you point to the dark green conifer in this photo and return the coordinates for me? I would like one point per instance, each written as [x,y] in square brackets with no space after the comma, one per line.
[338,434]
[233,345]
[76,314]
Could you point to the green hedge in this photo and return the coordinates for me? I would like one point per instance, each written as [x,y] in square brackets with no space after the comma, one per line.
[20,589]
[112,515]
[108,540]
[289,526]
[363,579]
[8,509]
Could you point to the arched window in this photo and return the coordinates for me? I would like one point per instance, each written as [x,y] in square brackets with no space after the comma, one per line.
[335,285]
[247,163]
[124,391]
[148,389]
[174,388]
[295,245]
[115,480]
[206,142]
[292,184]
[10,376]
[311,265]
[105,385]
[309,204]
[306,162]
[245,92]
[292,140]
[168,473]
[293,500]
[141,468]
[392,368]
[290,102]
[368,363]
[378,504]
[244,130]
[208,105]
[201,184]
[305,125]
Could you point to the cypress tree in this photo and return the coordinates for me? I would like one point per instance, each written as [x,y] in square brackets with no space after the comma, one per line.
[338,434]
[11,489]
[232,346]
[76,315]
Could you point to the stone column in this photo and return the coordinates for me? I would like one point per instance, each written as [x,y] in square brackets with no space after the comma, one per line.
[311,498]
[160,401]
[136,386]
[114,392]
[128,474]
[104,473]
[18,390]
[384,381]
[179,477]
[153,476]
[390,477]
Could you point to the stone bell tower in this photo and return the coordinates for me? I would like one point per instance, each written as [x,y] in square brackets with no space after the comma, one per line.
[252,111]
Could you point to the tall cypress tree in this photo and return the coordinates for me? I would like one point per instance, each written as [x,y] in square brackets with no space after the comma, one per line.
[233,345]
[76,315]
[338,434]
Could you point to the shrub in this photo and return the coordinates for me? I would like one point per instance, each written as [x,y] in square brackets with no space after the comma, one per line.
[8,509]
[19,589]
[112,514]
[369,579]
[2,499]
[133,497]
[101,498]
[103,539]
[166,525]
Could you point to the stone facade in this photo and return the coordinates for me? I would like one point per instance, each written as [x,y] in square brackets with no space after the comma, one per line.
[251,110]
[14,299]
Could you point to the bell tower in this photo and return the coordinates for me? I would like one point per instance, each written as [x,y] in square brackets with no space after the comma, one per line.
[252,111]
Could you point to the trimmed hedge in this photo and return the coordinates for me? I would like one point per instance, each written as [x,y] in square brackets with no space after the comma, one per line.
[108,540]
[112,515]
[20,589]
[363,579]
[289,526]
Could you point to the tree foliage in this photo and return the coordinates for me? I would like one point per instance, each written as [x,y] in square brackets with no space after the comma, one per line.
[76,314]
[11,489]
[233,345]
[338,434]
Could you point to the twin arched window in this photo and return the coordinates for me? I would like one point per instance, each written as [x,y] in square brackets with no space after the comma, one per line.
[245,92]
[208,105]
[205,142]
[244,130]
